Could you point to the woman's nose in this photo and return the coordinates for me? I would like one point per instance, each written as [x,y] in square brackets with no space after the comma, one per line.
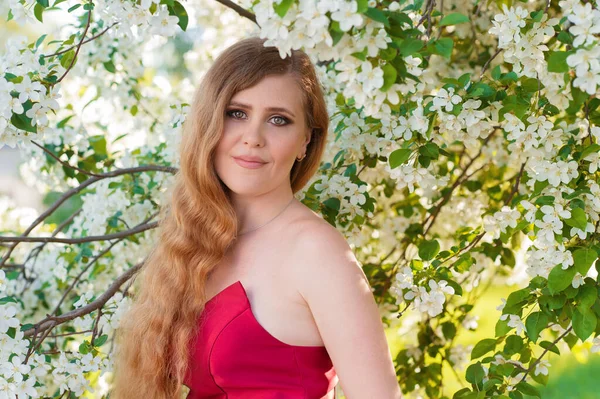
[253,133]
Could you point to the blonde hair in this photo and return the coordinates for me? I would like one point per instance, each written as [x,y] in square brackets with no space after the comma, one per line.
[199,224]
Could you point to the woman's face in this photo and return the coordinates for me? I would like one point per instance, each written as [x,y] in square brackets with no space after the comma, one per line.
[265,121]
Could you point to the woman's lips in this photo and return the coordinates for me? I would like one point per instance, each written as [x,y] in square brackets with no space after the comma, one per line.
[248,164]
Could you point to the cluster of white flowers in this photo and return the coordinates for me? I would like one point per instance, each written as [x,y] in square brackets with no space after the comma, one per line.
[16,378]
[500,221]
[101,205]
[585,24]
[69,373]
[540,262]
[348,193]
[432,301]
[27,90]
[515,322]
[524,50]
[408,175]
[554,172]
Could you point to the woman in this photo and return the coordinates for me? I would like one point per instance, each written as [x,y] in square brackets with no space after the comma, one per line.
[249,293]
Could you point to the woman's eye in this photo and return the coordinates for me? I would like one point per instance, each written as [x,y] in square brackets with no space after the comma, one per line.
[282,120]
[235,113]
[238,114]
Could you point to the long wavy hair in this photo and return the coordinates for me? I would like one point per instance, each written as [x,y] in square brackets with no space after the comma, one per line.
[199,224]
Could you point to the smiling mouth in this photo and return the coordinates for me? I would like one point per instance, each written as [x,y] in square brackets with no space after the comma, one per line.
[249,164]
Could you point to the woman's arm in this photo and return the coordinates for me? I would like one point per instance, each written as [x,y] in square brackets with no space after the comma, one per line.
[339,296]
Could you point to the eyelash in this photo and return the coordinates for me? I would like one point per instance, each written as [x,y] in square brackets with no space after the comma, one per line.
[286,120]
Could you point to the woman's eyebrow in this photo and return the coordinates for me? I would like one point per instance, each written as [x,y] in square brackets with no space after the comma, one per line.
[274,109]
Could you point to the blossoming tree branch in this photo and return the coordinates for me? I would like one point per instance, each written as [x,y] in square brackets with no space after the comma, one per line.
[463,153]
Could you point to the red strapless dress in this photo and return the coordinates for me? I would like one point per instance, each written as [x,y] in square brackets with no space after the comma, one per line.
[234,357]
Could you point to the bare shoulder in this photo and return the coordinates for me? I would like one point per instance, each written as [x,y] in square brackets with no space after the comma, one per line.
[321,248]
[334,286]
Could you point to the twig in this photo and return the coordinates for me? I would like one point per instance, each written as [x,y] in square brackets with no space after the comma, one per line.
[138,229]
[487,63]
[84,42]
[51,321]
[561,336]
[68,165]
[87,26]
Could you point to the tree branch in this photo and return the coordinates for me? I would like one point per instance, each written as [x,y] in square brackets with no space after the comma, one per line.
[84,42]
[52,321]
[120,234]
[75,190]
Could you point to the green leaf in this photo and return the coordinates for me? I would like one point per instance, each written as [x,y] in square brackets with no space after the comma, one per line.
[38,10]
[84,347]
[43,3]
[100,340]
[430,150]
[578,219]
[514,344]
[482,347]
[560,279]
[40,40]
[179,11]
[429,249]
[335,32]
[535,323]
[589,149]
[410,46]
[545,200]
[453,19]
[475,373]
[332,203]
[398,157]
[586,297]
[363,5]
[7,299]
[449,330]
[496,72]
[528,389]
[98,143]
[110,66]
[583,258]
[516,300]
[584,323]
[66,59]
[536,16]
[389,76]
[22,122]
[378,15]
[75,7]
[550,346]
[282,8]
[444,47]
[557,61]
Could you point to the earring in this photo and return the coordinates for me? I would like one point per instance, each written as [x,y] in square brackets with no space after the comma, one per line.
[300,159]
